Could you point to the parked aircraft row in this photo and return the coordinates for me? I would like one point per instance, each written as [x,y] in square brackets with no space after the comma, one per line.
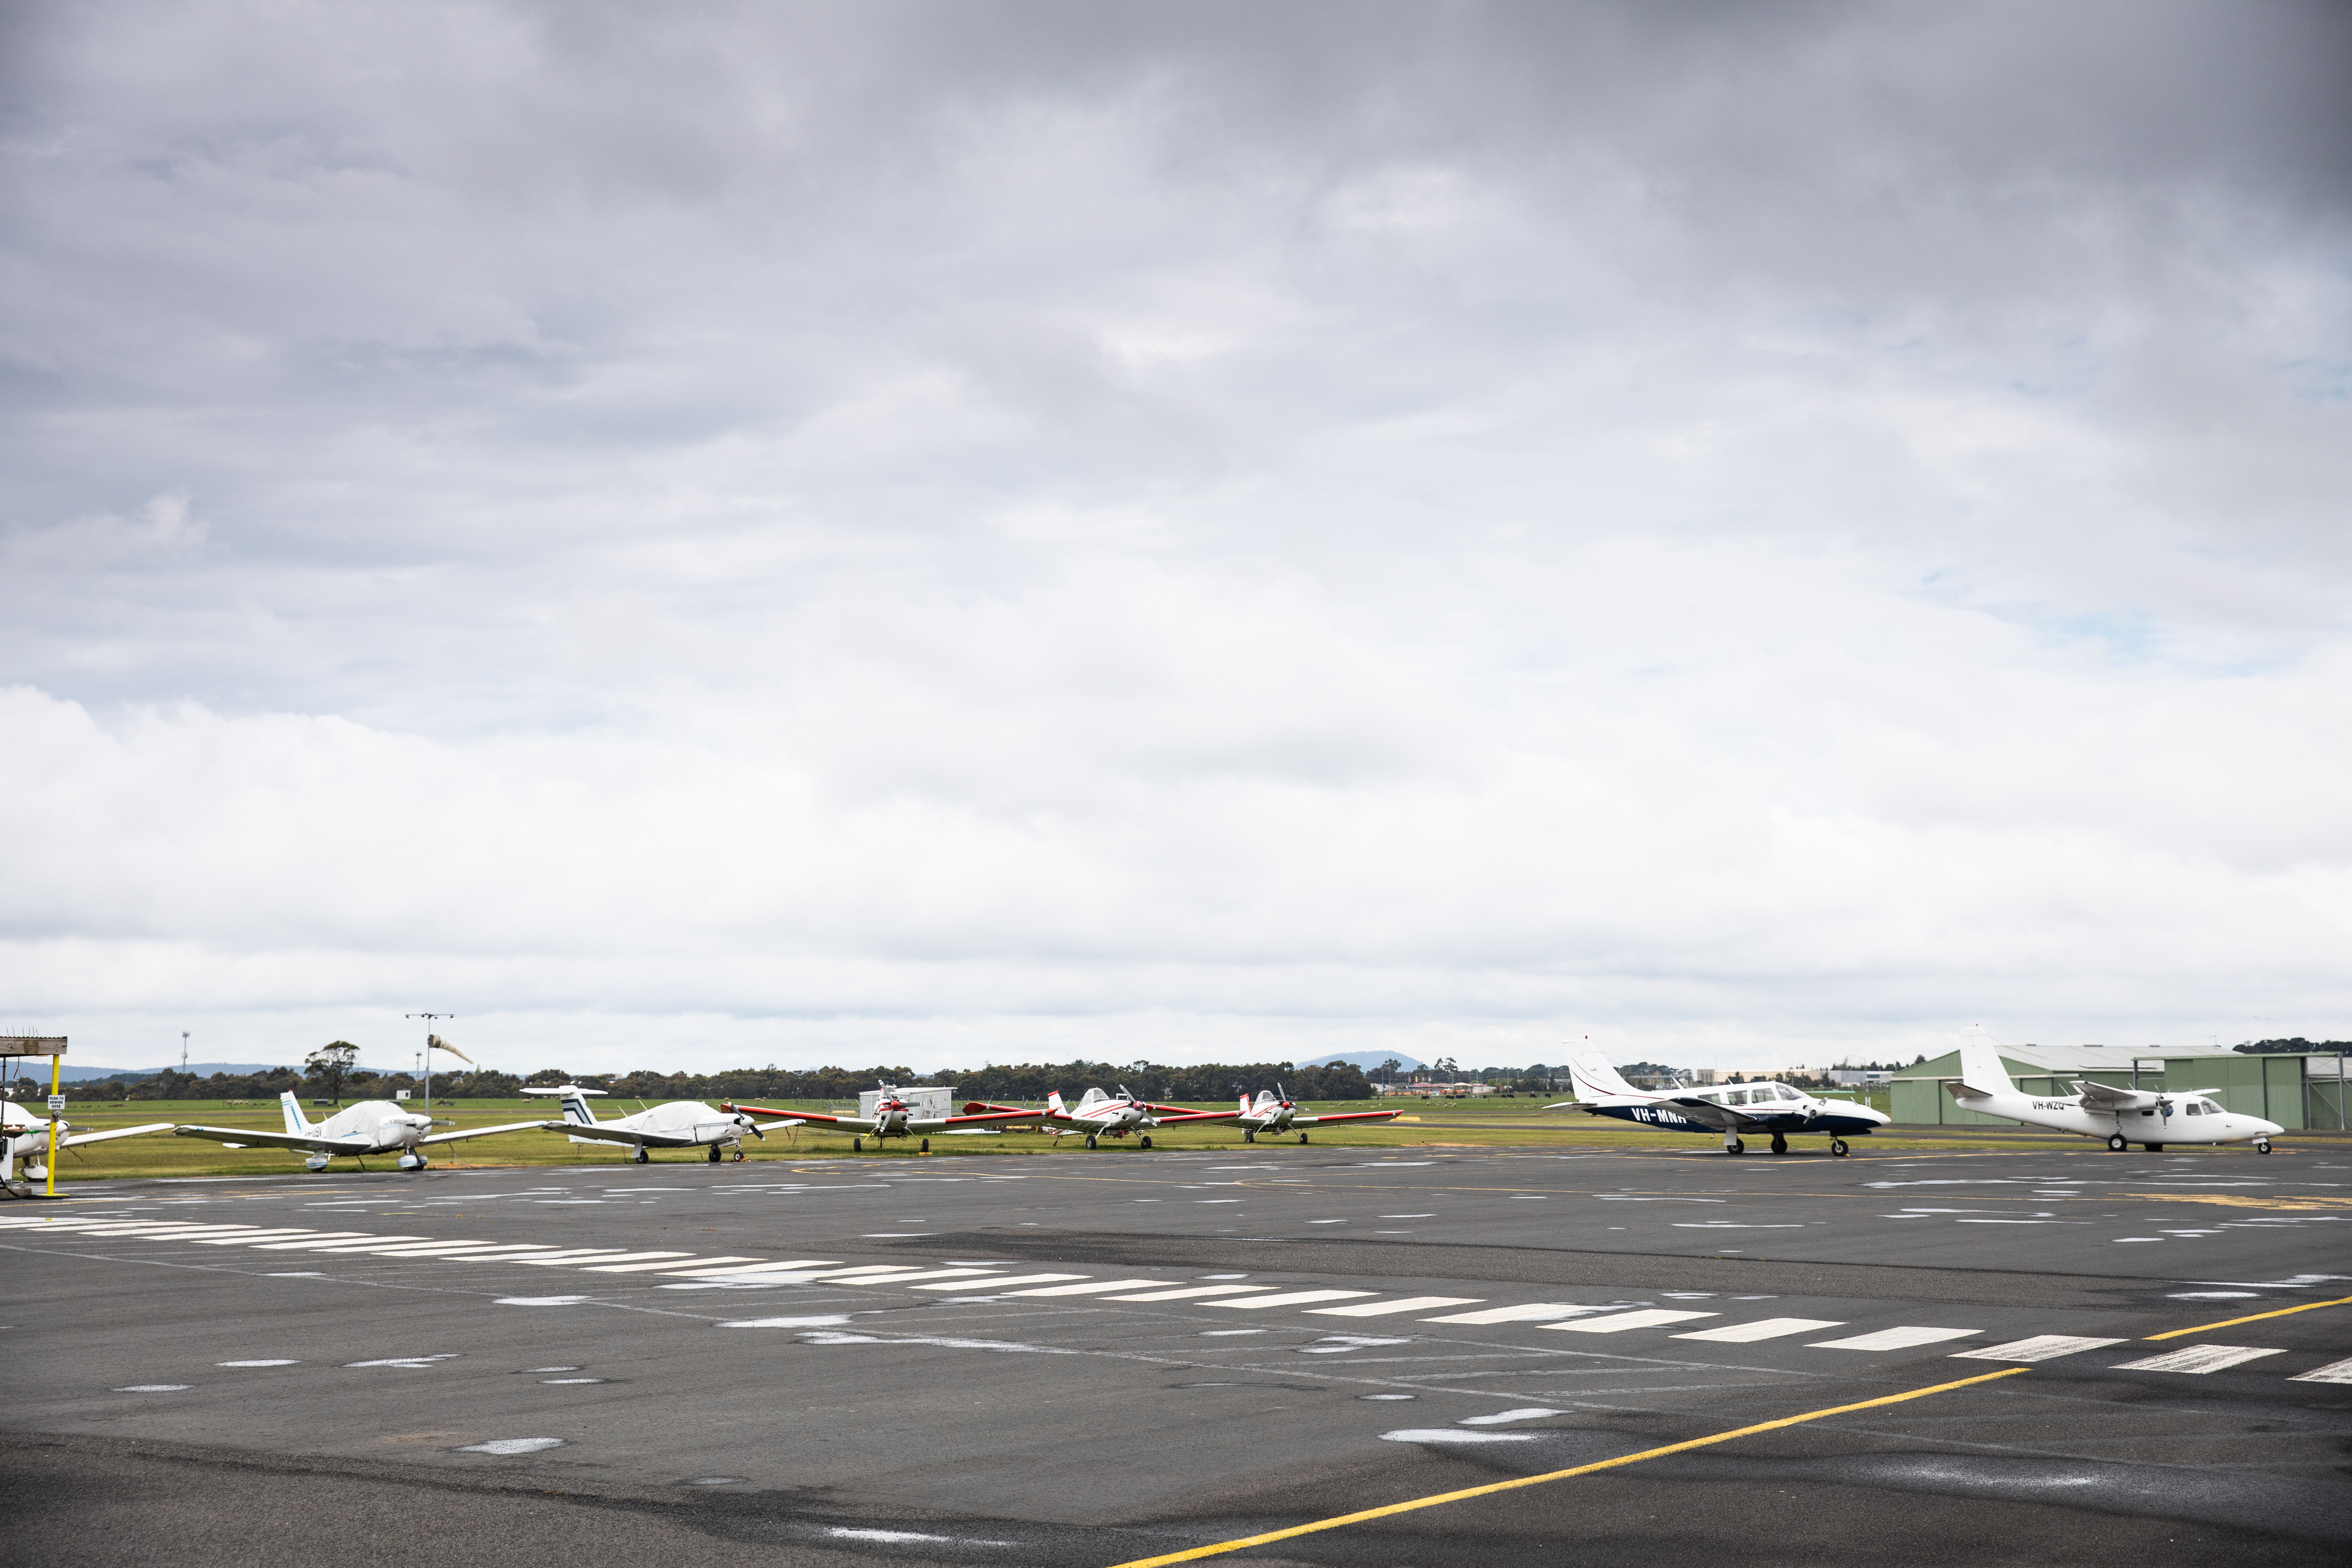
[385,1127]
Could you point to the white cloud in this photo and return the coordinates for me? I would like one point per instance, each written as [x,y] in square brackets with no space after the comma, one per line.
[789,538]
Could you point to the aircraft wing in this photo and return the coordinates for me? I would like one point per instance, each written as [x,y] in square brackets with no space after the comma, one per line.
[794,1118]
[1176,1114]
[82,1137]
[481,1132]
[247,1137]
[947,1123]
[1706,1113]
[1346,1116]
[604,1134]
[2100,1097]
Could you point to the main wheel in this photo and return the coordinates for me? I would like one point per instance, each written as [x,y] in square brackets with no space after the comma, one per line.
[857,1145]
[2153,1148]
[927,1145]
[2116,1142]
[1249,1134]
[1838,1147]
[1735,1147]
[2262,1145]
[715,1155]
[1302,1137]
[643,1157]
[1144,1141]
[1779,1144]
[1090,1140]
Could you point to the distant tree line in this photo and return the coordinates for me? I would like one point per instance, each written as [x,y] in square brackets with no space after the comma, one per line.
[331,1078]
[2298,1044]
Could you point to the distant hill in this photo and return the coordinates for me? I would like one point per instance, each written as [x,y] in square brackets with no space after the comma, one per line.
[1368,1060]
[108,1075]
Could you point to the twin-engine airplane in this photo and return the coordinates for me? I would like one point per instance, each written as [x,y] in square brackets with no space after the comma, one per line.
[893,1118]
[1276,1111]
[370,1127]
[673,1124]
[1733,1110]
[25,1136]
[2122,1115]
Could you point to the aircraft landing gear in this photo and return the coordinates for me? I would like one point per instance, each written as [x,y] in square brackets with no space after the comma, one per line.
[1249,1134]
[1838,1148]
[715,1155]
[645,1156]
[1734,1146]
[2262,1145]
[1090,1140]
[1145,1141]
[857,1145]
[927,1145]
[739,1153]
[2153,1148]
[412,1160]
[1302,1137]
[2115,1143]
[1779,1144]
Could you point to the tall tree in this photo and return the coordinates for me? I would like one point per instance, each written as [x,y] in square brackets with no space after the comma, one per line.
[331,1064]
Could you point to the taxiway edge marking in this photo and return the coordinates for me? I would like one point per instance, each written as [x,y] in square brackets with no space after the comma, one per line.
[1221,1547]
[2257,1318]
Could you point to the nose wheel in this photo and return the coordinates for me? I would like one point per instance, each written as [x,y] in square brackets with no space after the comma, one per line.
[2262,1145]
[1838,1147]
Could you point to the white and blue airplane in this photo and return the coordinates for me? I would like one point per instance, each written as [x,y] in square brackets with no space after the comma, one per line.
[673,1124]
[1769,1108]
[25,1137]
[369,1127]
[2149,1117]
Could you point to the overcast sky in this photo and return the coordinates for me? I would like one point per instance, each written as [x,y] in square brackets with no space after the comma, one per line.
[702,535]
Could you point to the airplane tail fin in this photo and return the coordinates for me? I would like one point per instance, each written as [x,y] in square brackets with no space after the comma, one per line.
[1593,1077]
[296,1124]
[1981,1066]
[1246,1101]
[576,1110]
[1053,1103]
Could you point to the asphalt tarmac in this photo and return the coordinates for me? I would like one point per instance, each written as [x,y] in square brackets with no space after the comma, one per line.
[1105,1358]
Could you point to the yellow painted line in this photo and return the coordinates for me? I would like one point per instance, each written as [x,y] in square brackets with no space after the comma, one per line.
[2303,1205]
[1383,1512]
[2258,1316]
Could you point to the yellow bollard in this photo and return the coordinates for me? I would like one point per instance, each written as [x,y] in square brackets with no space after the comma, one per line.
[56,1067]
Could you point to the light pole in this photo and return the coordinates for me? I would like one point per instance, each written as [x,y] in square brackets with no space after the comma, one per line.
[430,1017]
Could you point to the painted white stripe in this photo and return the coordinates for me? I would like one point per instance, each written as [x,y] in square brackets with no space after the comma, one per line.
[2197,1359]
[1382,1308]
[327,1246]
[870,1270]
[928,1274]
[987,1283]
[1292,1299]
[453,1248]
[1526,1413]
[586,1255]
[793,1266]
[665,1265]
[1097,1288]
[274,1234]
[2334,1372]
[2041,1347]
[1762,1329]
[1621,1321]
[1526,1312]
[562,1261]
[1896,1338]
[1190,1292]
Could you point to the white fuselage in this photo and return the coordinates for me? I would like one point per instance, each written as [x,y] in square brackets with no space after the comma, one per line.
[688,1121]
[383,1123]
[2181,1118]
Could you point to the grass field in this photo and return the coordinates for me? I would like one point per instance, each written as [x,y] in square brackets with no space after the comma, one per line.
[1467,1123]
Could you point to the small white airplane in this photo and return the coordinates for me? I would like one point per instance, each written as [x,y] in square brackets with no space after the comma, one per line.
[1276,1111]
[673,1124]
[2122,1115]
[1769,1106]
[25,1136]
[893,1118]
[369,1127]
[1101,1115]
